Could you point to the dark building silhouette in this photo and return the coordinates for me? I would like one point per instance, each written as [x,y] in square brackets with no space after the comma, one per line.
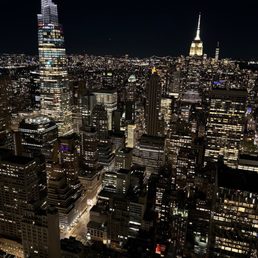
[68,148]
[99,120]
[153,102]
[4,109]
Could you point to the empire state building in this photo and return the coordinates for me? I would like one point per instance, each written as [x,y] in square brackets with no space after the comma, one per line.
[196,48]
[54,85]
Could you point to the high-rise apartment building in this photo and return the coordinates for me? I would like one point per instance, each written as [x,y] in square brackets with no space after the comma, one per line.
[54,85]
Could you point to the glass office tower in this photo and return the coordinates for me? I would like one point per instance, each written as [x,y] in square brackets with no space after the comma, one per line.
[54,85]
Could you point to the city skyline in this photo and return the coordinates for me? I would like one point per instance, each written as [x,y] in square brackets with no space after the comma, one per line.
[138,29]
[109,156]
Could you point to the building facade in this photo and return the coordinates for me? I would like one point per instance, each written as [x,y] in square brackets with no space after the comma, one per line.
[54,85]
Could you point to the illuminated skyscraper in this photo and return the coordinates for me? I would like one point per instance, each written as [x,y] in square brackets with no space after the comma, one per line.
[24,215]
[197,45]
[217,52]
[130,98]
[225,125]
[54,86]
[19,189]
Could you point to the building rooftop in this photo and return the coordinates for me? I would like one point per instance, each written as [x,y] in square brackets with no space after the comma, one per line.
[19,160]
[238,179]
[124,150]
[99,208]
[37,123]
[4,153]
[72,245]
[96,225]
[106,195]
[106,91]
[123,171]
[232,93]
[69,137]
[248,157]
[37,120]
[132,78]
[152,141]
[191,97]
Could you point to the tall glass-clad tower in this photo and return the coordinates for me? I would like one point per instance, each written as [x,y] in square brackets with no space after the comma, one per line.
[54,83]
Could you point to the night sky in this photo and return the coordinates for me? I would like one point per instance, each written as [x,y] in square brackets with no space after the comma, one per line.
[138,28]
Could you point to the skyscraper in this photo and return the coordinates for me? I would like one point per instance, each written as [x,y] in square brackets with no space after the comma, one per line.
[40,233]
[109,99]
[19,189]
[54,85]
[4,109]
[38,135]
[60,195]
[217,50]
[24,214]
[234,216]
[196,48]
[225,125]
[153,103]
[130,98]
[99,120]
[149,153]
[69,153]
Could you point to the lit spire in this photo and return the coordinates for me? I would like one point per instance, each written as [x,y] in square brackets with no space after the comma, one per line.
[197,37]
[154,70]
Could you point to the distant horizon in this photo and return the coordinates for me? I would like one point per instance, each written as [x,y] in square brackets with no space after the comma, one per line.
[131,56]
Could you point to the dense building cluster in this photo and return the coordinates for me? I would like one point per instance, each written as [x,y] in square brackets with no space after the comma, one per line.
[127,157]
